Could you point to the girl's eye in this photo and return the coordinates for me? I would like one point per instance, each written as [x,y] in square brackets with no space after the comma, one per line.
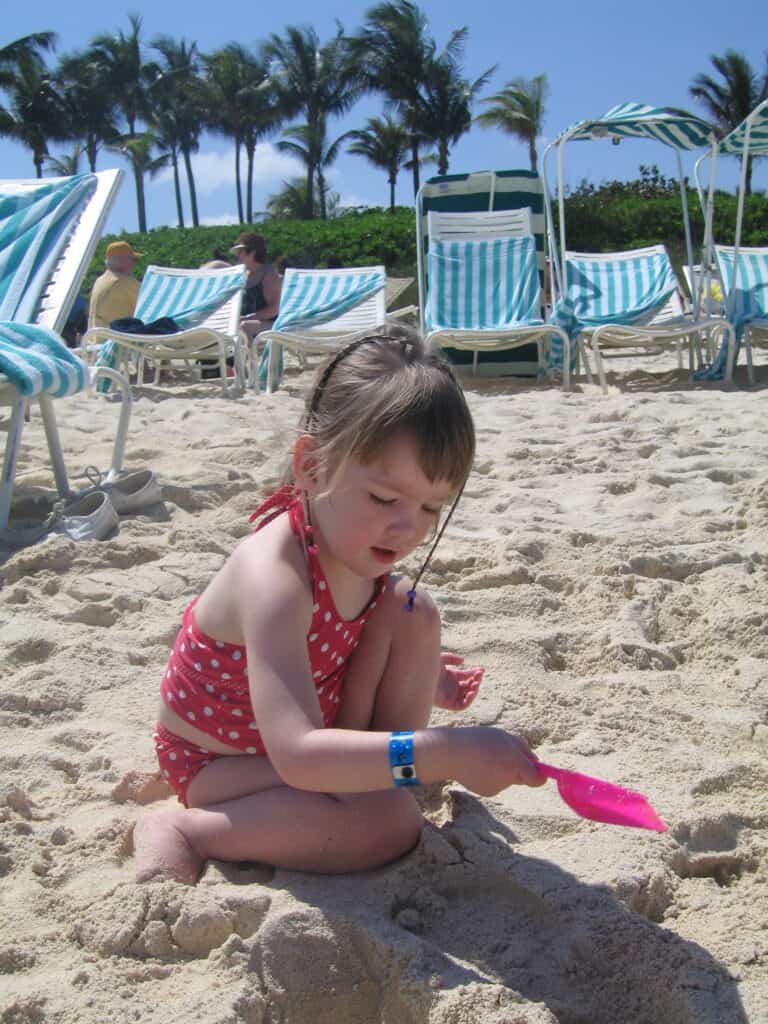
[381,501]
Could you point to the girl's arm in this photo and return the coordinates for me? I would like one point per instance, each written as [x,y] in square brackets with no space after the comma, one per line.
[308,756]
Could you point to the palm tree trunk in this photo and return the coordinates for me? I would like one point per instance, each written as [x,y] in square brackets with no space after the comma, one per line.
[249,185]
[309,212]
[442,157]
[238,183]
[392,183]
[140,203]
[533,156]
[92,150]
[748,179]
[322,190]
[191,185]
[415,160]
[38,159]
[177,189]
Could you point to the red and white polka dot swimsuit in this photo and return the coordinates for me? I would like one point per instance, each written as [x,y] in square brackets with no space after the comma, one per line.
[206,680]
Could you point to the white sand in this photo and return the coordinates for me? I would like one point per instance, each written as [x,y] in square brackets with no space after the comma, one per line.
[607,565]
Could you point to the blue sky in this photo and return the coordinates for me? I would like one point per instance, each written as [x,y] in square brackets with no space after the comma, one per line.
[595,55]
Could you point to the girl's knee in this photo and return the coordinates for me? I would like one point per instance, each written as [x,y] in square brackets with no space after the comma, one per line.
[392,828]
[423,618]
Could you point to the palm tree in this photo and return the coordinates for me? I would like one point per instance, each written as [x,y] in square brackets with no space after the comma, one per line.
[240,106]
[36,113]
[729,101]
[66,165]
[120,57]
[31,47]
[290,202]
[384,143]
[309,145]
[519,110]
[176,97]
[137,150]
[313,80]
[86,90]
[393,51]
[446,111]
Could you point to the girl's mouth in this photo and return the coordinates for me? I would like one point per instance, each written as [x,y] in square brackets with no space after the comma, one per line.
[383,554]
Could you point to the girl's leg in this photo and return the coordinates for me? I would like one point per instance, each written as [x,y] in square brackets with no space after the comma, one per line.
[393,675]
[286,827]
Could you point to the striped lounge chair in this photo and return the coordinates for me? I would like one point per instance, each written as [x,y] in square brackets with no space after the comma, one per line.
[205,304]
[483,287]
[49,229]
[320,312]
[483,192]
[622,303]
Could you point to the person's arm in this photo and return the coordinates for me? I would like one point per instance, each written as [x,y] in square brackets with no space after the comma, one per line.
[308,756]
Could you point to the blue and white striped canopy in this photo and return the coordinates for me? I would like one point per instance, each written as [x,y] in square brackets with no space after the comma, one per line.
[758,136]
[673,127]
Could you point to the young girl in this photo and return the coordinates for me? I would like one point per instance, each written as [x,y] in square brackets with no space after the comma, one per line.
[296,700]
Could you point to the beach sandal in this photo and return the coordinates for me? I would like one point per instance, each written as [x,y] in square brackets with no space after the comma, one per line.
[129,493]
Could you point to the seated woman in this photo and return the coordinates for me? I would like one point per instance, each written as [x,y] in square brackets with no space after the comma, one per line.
[261,297]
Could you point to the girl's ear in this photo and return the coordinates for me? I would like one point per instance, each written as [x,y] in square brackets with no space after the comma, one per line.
[306,463]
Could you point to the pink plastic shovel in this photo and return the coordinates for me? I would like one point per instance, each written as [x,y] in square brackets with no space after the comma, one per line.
[603,801]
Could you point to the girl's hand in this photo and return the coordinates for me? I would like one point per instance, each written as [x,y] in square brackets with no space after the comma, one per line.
[494,759]
[457,687]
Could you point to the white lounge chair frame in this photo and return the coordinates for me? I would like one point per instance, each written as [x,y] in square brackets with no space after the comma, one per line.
[53,311]
[325,338]
[490,224]
[217,336]
[669,328]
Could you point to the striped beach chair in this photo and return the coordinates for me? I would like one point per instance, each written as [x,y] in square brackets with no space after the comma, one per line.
[49,229]
[483,288]
[625,303]
[744,277]
[320,312]
[205,304]
[482,192]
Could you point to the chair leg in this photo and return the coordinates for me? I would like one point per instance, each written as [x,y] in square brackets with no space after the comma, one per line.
[118,449]
[595,345]
[748,355]
[54,444]
[12,444]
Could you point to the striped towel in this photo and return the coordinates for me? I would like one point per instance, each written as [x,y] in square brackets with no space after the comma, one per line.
[36,360]
[629,289]
[483,284]
[309,300]
[745,288]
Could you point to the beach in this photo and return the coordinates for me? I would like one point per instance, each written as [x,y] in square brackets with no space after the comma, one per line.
[607,564]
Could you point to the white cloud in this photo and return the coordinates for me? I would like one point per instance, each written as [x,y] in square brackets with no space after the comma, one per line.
[216,169]
[221,218]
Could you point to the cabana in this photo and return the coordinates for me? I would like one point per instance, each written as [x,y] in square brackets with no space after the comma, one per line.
[626,300]
[743,270]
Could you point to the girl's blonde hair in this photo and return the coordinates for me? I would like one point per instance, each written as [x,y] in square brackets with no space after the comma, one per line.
[385,385]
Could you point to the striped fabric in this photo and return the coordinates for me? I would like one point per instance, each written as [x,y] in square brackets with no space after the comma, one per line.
[758,135]
[34,222]
[626,290]
[35,360]
[187,300]
[310,300]
[674,128]
[483,284]
[745,290]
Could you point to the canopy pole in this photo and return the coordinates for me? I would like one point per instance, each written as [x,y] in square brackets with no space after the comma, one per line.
[709,229]
[740,216]
[420,272]
[550,232]
[561,204]
[686,217]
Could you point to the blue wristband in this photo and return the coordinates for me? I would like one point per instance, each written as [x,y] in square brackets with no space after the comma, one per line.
[401,758]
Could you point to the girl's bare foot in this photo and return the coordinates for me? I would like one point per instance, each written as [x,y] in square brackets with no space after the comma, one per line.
[457,687]
[161,850]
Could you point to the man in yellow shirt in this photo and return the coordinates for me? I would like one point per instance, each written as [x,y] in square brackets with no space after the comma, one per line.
[114,293]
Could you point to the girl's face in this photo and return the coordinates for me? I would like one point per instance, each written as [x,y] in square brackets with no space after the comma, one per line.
[377,513]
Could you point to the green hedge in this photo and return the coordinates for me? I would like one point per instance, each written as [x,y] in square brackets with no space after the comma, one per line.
[367,238]
[615,216]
